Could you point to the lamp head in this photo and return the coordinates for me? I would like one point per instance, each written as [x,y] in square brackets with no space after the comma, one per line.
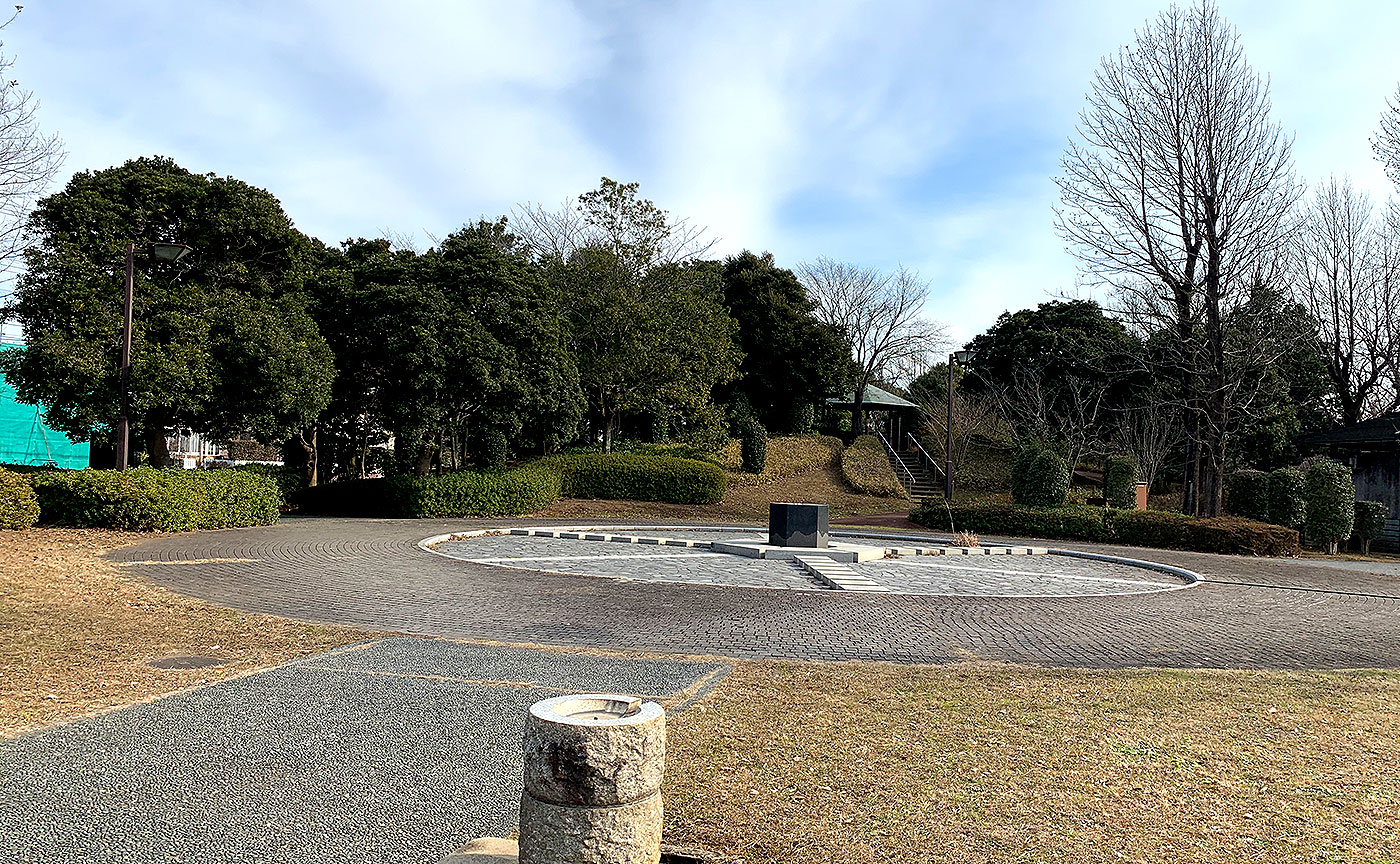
[170,251]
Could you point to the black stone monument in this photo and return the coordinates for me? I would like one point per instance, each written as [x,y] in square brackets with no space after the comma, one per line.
[805,525]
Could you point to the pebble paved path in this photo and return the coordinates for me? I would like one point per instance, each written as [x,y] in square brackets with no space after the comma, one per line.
[1250,613]
[395,752]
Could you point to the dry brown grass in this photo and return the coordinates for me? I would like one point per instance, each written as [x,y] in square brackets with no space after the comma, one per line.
[76,631]
[788,762]
[740,504]
[787,456]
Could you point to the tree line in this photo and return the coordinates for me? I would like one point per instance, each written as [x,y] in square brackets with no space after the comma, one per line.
[507,337]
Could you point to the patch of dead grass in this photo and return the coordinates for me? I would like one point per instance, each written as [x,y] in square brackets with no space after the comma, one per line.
[740,503]
[788,762]
[76,631]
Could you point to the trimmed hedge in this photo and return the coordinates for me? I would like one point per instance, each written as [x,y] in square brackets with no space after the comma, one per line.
[1329,497]
[460,493]
[19,508]
[151,499]
[289,479]
[1039,478]
[1247,495]
[866,469]
[1369,521]
[753,446]
[1120,475]
[1224,534]
[1286,505]
[619,476]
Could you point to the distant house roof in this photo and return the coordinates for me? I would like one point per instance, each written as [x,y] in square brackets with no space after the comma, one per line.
[1381,430]
[874,398]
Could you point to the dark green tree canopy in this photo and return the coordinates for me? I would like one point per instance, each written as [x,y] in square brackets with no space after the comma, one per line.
[791,359]
[221,340]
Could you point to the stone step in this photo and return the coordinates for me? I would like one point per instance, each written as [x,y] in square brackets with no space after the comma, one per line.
[838,575]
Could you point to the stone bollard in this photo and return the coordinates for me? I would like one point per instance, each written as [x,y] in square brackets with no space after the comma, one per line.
[593,768]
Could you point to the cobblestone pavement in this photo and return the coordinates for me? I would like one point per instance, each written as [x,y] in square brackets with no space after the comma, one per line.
[1251,613]
[990,576]
[400,750]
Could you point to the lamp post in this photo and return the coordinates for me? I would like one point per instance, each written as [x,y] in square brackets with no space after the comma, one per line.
[165,252]
[962,358]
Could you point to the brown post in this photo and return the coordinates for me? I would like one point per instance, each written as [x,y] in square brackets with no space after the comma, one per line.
[123,420]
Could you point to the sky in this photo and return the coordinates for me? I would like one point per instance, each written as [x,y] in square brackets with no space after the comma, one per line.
[921,134]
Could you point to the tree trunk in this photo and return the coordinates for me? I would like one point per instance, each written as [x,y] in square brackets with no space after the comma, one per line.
[313,454]
[157,450]
[858,409]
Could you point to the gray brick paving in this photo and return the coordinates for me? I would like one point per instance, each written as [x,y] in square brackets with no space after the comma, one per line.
[345,757]
[1252,613]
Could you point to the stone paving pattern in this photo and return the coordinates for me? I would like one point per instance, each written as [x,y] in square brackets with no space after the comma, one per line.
[999,575]
[352,756]
[1252,613]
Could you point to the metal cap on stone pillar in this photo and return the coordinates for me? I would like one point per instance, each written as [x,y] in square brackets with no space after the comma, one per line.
[593,770]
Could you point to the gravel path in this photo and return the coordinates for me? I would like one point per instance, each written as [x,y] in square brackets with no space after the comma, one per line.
[399,750]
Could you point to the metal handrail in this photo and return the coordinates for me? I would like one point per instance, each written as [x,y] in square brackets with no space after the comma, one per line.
[899,463]
[928,460]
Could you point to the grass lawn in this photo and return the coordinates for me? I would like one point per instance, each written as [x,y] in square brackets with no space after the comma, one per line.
[799,762]
[76,631]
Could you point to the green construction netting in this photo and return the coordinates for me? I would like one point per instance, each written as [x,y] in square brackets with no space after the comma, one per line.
[25,440]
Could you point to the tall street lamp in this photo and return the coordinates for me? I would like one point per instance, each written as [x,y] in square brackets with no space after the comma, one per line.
[961,358]
[165,252]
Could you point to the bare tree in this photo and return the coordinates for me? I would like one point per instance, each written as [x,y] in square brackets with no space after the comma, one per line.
[28,159]
[1148,432]
[1386,143]
[611,217]
[1345,273]
[882,315]
[1178,200]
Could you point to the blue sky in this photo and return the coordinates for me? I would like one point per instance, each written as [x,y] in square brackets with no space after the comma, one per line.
[918,133]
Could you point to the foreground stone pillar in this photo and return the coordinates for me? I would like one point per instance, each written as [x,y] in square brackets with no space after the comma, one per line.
[804,525]
[593,769]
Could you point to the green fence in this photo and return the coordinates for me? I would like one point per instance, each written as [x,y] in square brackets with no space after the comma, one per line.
[25,440]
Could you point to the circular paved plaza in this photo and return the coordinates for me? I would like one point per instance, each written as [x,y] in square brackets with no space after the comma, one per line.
[634,560]
[1250,613]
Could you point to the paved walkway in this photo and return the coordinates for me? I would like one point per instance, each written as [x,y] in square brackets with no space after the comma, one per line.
[1251,613]
[400,750]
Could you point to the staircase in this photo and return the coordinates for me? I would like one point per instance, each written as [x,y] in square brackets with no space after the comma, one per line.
[917,473]
[916,478]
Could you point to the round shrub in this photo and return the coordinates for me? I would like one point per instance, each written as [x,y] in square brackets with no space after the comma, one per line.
[493,449]
[1120,475]
[1369,522]
[866,469]
[1247,495]
[1039,478]
[803,418]
[1286,505]
[753,446]
[637,477]
[1329,496]
[19,508]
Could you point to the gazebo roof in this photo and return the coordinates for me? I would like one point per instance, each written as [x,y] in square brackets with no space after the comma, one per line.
[1380,430]
[874,398]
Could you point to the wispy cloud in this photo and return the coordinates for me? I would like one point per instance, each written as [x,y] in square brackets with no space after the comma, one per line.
[917,133]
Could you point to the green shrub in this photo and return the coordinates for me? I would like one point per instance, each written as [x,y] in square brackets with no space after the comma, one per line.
[457,494]
[1369,522]
[866,469]
[803,418]
[1226,534]
[1070,522]
[1120,475]
[289,479]
[1039,478]
[19,508]
[680,451]
[492,449]
[629,476]
[1286,505]
[1329,497]
[1247,495]
[151,499]
[753,445]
